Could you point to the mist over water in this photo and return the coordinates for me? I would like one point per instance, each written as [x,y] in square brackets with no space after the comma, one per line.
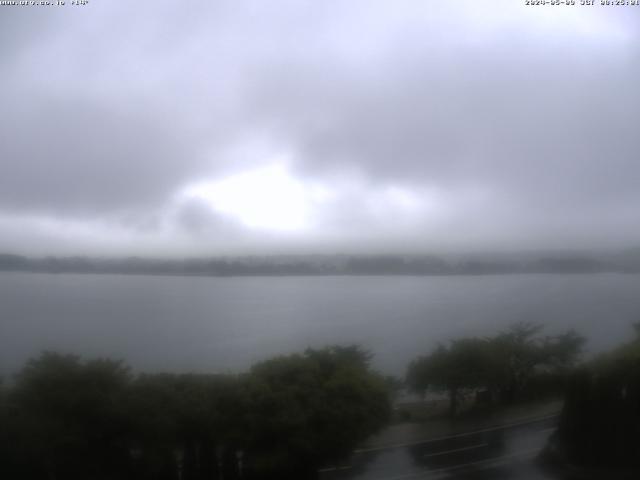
[200,324]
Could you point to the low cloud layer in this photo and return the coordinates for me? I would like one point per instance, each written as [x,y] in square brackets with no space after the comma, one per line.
[318,126]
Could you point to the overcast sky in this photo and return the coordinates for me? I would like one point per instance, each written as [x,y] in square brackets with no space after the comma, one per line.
[190,128]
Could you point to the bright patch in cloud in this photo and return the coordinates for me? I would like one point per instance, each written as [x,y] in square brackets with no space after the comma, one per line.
[266,198]
[271,198]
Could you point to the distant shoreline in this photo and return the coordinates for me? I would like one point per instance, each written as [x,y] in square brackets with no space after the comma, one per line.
[322,266]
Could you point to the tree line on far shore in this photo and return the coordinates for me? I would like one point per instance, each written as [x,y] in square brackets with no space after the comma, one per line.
[305,265]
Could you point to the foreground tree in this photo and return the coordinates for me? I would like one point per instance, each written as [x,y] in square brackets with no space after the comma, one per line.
[520,353]
[65,418]
[600,422]
[311,409]
[503,365]
[184,425]
[460,366]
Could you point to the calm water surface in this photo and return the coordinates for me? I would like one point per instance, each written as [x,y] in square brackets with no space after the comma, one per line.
[225,324]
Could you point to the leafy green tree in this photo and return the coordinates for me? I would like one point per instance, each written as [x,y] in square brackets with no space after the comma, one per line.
[520,353]
[185,424]
[504,364]
[308,409]
[65,418]
[68,418]
[463,364]
[600,421]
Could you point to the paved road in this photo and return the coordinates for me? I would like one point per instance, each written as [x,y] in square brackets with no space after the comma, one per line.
[505,452]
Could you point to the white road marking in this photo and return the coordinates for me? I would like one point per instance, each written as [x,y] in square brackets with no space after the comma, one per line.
[446,452]
[458,435]
[333,469]
[480,463]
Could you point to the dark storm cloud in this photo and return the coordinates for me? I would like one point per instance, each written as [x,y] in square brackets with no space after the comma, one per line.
[509,115]
[74,157]
[96,109]
[460,125]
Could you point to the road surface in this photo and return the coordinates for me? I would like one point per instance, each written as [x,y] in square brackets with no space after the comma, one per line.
[502,452]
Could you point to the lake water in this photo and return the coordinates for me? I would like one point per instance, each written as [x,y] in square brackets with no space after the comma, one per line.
[226,324]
